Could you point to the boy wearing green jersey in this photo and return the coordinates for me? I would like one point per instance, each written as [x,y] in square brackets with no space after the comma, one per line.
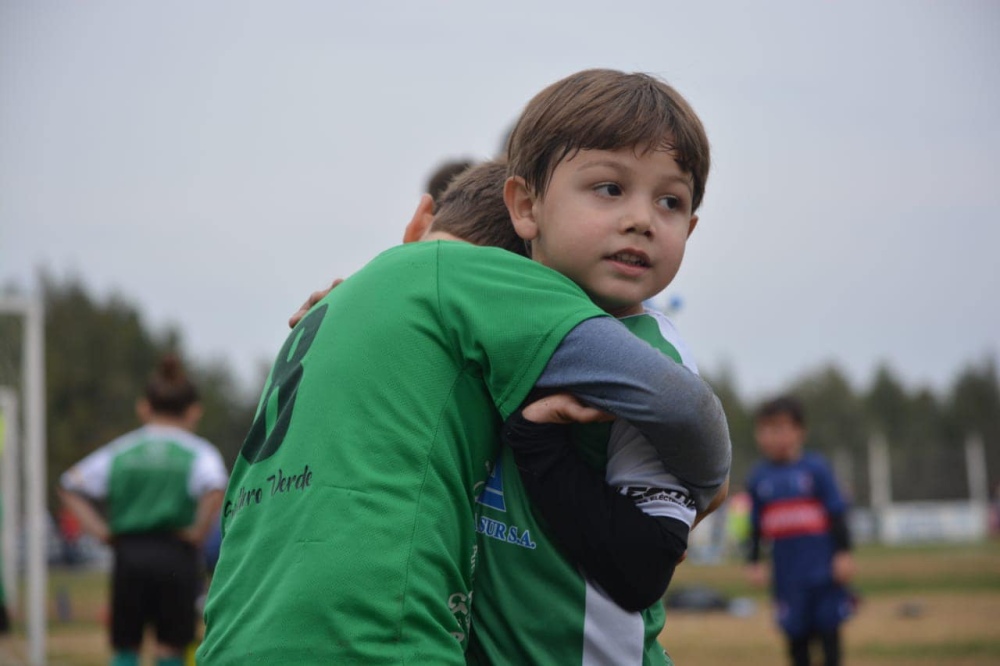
[162,487]
[606,172]
[350,518]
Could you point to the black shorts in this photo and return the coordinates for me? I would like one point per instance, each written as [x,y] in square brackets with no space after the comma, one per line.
[155,581]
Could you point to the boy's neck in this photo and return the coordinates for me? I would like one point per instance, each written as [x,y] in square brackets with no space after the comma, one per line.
[627,311]
[442,235]
[165,421]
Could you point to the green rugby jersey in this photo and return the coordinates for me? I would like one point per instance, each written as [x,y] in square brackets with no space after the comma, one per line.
[532,606]
[349,521]
[150,478]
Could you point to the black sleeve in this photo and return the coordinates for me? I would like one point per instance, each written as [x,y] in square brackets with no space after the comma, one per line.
[840,533]
[628,553]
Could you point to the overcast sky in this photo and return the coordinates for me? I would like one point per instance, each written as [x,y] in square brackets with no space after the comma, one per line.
[214,162]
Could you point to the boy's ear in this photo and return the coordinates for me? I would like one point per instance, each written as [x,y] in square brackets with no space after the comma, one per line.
[521,207]
[692,224]
[423,217]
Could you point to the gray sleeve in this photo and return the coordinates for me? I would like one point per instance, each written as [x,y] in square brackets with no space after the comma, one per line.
[606,366]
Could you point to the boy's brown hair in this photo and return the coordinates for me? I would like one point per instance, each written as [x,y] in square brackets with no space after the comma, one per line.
[473,209]
[603,109]
[442,177]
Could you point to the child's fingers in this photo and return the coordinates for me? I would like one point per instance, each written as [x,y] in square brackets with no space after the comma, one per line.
[563,408]
[313,299]
[580,413]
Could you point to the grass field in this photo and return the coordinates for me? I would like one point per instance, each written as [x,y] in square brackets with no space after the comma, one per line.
[935,605]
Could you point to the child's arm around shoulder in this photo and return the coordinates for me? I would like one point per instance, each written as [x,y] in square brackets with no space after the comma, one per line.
[627,553]
[606,366]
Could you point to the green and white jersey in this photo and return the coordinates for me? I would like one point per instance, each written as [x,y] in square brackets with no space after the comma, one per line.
[532,606]
[150,478]
[349,532]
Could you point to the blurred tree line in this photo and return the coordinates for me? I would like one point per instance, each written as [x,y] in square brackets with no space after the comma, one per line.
[925,432]
[100,353]
[98,357]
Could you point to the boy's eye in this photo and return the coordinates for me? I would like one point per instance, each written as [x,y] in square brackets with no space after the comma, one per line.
[670,202]
[609,189]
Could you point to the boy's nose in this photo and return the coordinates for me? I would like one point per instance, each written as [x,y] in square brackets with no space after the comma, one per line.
[638,220]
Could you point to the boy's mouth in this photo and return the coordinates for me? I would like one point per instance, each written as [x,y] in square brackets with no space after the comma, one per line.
[630,258]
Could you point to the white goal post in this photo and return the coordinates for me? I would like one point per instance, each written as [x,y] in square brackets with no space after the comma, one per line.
[30,449]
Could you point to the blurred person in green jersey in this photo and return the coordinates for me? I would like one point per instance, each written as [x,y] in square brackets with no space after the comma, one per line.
[162,488]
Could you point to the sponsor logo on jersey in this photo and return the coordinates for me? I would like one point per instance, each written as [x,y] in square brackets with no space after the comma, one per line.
[279,483]
[501,531]
[794,517]
[492,495]
[458,604]
[648,495]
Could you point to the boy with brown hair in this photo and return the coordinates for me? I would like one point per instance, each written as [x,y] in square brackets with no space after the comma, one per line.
[606,171]
[443,175]
[352,505]
[472,208]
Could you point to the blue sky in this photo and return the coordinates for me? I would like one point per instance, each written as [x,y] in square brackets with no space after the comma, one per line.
[216,162]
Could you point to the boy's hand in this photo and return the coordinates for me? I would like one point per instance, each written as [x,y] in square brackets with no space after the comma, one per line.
[757,574]
[843,567]
[313,299]
[563,408]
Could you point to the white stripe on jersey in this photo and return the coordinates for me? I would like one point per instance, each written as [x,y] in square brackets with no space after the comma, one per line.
[610,635]
[91,475]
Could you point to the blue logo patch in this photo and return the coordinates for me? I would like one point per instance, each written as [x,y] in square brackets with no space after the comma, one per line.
[492,495]
[495,529]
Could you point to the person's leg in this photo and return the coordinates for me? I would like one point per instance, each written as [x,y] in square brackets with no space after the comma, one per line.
[798,650]
[833,607]
[176,594]
[831,647]
[792,607]
[126,606]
